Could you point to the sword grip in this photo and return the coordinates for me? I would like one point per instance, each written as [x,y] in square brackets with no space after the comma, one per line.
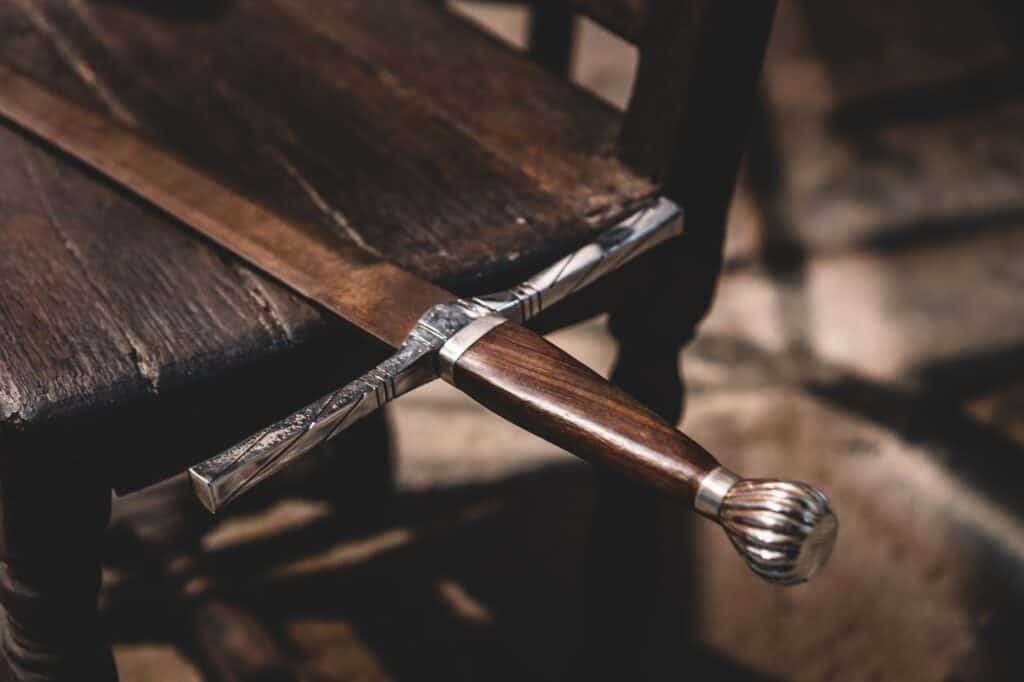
[521,376]
[784,530]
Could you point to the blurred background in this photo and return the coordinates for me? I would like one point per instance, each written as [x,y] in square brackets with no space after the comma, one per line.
[867,336]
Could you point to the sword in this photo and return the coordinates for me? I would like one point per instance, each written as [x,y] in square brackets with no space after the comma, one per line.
[785,530]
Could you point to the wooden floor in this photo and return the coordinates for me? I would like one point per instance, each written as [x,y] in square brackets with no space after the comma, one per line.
[868,337]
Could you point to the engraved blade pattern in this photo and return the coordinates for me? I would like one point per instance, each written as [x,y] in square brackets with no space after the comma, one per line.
[224,477]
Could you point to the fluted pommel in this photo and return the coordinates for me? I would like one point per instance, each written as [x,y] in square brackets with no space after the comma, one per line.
[785,530]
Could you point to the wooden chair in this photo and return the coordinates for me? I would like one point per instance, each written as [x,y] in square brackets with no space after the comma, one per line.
[130,349]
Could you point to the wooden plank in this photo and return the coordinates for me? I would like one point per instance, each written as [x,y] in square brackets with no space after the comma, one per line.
[358,126]
[87,310]
[381,299]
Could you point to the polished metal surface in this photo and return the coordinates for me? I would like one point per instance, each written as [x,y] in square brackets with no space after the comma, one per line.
[454,347]
[785,530]
[712,490]
[430,350]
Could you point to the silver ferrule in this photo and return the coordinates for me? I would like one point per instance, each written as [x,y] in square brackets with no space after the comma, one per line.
[461,341]
[712,490]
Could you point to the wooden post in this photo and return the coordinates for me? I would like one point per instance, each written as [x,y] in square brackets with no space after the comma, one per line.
[551,36]
[53,524]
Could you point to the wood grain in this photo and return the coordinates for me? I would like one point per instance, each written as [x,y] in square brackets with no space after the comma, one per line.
[381,299]
[131,349]
[450,155]
[527,380]
[118,323]
[328,113]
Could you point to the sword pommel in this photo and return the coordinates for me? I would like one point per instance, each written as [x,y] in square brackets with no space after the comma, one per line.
[785,530]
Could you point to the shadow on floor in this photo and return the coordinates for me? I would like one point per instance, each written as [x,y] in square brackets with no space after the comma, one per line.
[479,582]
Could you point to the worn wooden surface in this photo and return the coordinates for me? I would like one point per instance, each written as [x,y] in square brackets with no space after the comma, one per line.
[329,115]
[381,299]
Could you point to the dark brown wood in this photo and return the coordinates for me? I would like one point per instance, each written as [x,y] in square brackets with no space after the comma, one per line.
[630,537]
[352,118]
[620,578]
[692,137]
[625,551]
[524,378]
[108,306]
[450,155]
[204,320]
[371,293]
[551,38]
[669,46]
[53,526]
[713,52]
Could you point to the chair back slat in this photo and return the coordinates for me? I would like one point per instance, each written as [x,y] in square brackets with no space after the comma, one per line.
[691,106]
[700,63]
[693,95]
[623,17]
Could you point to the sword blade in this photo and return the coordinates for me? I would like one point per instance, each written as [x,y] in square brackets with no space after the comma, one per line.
[375,295]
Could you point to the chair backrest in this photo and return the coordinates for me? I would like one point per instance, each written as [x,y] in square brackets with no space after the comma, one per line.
[694,91]
[626,18]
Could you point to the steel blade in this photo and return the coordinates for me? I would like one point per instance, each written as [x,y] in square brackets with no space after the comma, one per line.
[375,295]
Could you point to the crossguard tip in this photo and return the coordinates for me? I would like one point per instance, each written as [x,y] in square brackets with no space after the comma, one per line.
[785,530]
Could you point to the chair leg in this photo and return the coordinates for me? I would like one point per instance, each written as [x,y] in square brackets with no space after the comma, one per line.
[620,577]
[624,552]
[53,524]
[635,535]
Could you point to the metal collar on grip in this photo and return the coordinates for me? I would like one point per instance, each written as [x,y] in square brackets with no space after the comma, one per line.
[460,342]
[712,490]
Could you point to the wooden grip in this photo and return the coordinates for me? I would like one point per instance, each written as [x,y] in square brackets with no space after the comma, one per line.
[522,377]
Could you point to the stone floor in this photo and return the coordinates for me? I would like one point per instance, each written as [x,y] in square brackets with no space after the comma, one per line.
[868,336]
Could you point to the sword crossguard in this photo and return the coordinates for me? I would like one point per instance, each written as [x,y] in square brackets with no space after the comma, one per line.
[222,478]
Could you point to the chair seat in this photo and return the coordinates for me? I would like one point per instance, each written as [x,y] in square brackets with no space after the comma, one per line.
[390,122]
